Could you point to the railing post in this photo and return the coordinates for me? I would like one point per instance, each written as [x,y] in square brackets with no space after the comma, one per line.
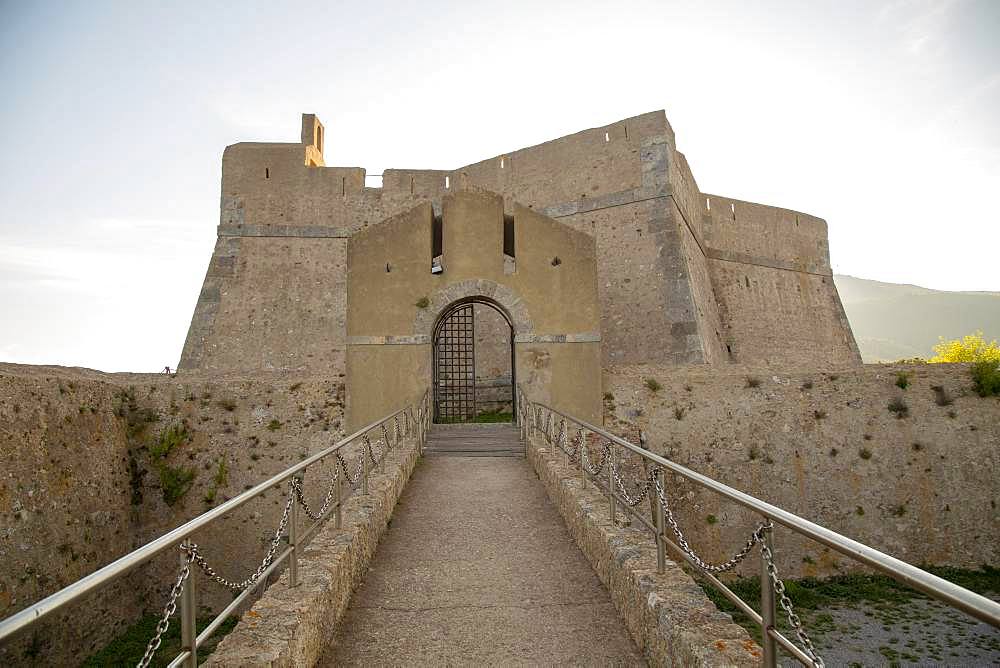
[385,449]
[365,450]
[767,607]
[661,547]
[612,501]
[293,540]
[583,468]
[340,496]
[189,613]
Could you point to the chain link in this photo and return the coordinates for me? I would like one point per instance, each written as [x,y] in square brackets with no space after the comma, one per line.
[786,605]
[300,497]
[168,611]
[629,499]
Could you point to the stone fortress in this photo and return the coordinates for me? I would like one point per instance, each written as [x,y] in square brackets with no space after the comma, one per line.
[590,271]
[598,249]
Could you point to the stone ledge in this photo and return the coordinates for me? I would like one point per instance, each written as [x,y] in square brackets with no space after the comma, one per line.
[667,615]
[291,627]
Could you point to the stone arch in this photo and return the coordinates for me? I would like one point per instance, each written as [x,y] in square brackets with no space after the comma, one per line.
[501,296]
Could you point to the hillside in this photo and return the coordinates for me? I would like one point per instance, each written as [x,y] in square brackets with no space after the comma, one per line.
[893,321]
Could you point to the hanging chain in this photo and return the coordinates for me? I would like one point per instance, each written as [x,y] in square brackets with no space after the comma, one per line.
[168,611]
[272,550]
[756,537]
[786,605]
[300,497]
[605,456]
[629,499]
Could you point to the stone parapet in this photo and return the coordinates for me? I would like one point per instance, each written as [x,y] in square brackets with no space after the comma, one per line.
[290,627]
[667,615]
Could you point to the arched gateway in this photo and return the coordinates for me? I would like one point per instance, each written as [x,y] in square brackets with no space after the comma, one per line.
[410,275]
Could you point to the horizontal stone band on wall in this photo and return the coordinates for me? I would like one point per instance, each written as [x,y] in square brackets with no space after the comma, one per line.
[757,261]
[583,337]
[302,231]
[423,339]
[414,340]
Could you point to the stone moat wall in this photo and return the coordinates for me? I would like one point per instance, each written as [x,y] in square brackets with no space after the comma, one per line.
[826,446]
[81,487]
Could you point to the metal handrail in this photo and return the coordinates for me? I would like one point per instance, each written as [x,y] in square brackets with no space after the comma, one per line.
[123,565]
[978,606]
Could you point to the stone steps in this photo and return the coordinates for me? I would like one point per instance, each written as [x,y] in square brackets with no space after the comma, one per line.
[474,440]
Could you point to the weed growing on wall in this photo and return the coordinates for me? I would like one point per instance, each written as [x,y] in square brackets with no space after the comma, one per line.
[941,396]
[899,408]
[986,378]
[423,302]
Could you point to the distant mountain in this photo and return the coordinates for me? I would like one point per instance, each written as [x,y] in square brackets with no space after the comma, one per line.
[893,321]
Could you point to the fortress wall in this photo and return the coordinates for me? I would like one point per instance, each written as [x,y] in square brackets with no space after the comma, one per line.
[926,493]
[779,317]
[579,166]
[766,235]
[71,501]
[705,303]
[770,270]
[660,242]
[631,280]
[686,196]
[272,303]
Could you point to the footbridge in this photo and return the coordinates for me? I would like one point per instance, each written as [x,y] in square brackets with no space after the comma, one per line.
[546,541]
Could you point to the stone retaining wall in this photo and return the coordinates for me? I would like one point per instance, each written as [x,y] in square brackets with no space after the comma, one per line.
[668,616]
[291,627]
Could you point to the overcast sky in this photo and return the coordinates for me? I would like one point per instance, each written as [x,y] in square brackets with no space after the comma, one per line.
[882,118]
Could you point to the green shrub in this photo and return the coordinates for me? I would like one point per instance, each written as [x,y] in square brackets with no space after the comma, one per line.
[227,404]
[865,453]
[175,481]
[986,378]
[169,439]
[653,385]
[423,302]
[712,519]
[221,474]
[274,424]
[753,382]
[902,380]
[679,413]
